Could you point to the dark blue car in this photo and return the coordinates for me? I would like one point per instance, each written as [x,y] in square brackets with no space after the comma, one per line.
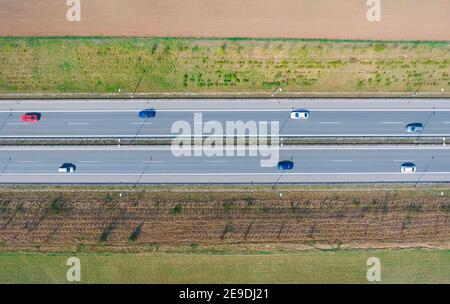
[147,113]
[285,165]
[415,127]
[67,168]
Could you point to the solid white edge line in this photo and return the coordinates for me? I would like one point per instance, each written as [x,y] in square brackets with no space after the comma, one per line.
[171,136]
[220,174]
[235,148]
[288,110]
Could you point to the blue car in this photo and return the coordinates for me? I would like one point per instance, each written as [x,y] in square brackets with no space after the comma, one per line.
[285,165]
[408,168]
[147,113]
[67,168]
[416,127]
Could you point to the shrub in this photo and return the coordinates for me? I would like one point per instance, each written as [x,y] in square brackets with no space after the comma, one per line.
[249,200]
[228,204]
[229,228]
[57,205]
[108,198]
[176,209]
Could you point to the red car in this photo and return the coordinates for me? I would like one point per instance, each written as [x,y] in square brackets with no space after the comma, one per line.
[31,117]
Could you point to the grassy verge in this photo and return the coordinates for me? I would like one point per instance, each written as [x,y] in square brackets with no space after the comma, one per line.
[229,66]
[346,266]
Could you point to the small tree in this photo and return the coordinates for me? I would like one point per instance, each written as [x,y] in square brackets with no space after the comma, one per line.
[107,232]
[136,232]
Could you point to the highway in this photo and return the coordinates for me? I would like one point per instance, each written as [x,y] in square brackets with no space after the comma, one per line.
[147,164]
[329,118]
[158,165]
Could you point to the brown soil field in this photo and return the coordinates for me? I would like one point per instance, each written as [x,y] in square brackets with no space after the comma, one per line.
[331,19]
[56,220]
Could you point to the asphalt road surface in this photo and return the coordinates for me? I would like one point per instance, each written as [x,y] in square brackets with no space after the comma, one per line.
[159,165]
[364,117]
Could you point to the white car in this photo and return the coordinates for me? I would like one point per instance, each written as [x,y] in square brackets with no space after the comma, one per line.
[408,168]
[67,168]
[300,114]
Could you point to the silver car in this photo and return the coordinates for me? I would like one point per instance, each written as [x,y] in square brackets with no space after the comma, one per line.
[299,114]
